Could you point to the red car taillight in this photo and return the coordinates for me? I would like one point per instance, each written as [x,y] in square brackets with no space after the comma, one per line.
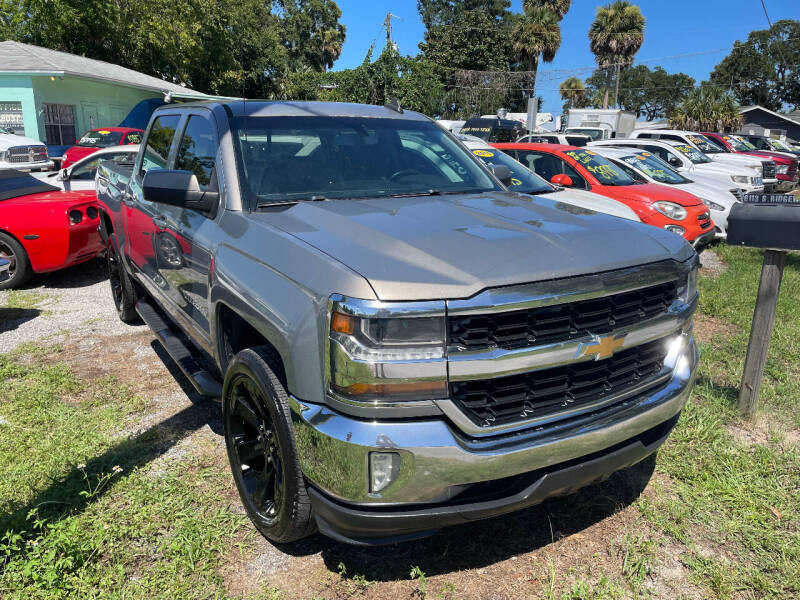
[75,216]
[91,212]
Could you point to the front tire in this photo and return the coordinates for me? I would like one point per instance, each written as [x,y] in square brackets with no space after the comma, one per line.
[20,269]
[261,448]
[122,288]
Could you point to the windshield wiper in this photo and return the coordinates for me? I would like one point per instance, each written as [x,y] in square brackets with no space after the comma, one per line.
[319,198]
[431,192]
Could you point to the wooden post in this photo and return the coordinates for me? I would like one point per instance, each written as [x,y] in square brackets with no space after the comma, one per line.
[760,333]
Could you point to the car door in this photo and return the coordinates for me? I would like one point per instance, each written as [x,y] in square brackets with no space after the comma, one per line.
[139,215]
[183,242]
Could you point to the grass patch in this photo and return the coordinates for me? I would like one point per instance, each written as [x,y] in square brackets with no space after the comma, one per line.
[22,304]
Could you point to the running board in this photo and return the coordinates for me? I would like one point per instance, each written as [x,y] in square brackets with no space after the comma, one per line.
[205,383]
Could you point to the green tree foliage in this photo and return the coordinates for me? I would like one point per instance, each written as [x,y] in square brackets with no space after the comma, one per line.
[444,12]
[560,7]
[228,47]
[707,108]
[573,92]
[536,35]
[649,93]
[615,36]
[764,70]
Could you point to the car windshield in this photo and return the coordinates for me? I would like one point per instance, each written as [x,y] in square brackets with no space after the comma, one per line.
[705,144]
[606,172]
[693,154]
[100,138]
[290,159]
[778,145]
[522,180]
[655,168]
[738,143]
[595,134]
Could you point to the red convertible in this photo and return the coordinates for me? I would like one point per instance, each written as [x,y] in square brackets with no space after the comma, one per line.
[43,228]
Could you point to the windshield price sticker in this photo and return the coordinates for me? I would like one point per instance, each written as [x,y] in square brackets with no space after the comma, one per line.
[515,181]
[770,199]
[104,132]
[483,153]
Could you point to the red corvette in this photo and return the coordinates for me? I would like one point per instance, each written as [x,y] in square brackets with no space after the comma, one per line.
[102,137]
[43,228]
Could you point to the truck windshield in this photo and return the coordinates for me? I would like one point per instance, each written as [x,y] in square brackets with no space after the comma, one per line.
[606,172]
[705,144]
[746,145]
[737,144]
[595,134]
[289,159]
[693,154]
[100,138]
[522,179]
[778,145]
[655,168]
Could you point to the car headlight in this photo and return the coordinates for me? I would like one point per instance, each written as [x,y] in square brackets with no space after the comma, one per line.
[3,155]
[757,168]
[740,178]
[687,289]
[782,169]
[713,205]
[387,352]
[671,210]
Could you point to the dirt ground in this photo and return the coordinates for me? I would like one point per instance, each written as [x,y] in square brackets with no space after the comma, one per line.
[517,556]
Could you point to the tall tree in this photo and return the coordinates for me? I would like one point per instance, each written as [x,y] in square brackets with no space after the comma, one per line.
[707,108]
[649,93]
[446,12]
[560,7]
[765,69]
[573,92]
[312,34]
[537,35]
[615,37]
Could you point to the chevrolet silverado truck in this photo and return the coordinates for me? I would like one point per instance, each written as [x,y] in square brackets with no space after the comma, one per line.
[399,343]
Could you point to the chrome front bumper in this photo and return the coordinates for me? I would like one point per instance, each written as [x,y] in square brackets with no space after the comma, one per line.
[439,461]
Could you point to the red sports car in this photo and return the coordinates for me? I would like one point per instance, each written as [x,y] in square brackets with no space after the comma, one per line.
[103,137]
[43,228]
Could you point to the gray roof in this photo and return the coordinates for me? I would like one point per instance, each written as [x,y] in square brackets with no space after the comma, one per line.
[310,108]
[16,57]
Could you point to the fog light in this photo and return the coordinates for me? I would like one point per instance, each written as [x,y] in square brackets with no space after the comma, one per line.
[675,229]
[384,467]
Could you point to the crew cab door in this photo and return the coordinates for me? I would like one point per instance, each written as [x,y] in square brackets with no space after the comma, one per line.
[184,239]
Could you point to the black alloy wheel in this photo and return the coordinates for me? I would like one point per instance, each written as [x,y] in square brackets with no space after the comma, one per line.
[19,269]
[122,289]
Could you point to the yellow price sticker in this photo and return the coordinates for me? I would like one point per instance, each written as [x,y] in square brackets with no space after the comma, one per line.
[483,153]
[104,132]
[515,181]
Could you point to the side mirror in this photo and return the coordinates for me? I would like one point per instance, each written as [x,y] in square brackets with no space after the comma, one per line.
[674,161]
[63,175]
[561,179]
[502,172]
[177,188]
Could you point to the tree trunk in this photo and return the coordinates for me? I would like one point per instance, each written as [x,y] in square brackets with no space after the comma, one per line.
[616,89]
[533,67]
[608,87]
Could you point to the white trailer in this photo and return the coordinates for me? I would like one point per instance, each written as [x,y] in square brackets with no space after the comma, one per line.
[600,124]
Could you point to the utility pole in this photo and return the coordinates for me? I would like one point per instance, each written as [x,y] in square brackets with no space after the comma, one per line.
[387,23]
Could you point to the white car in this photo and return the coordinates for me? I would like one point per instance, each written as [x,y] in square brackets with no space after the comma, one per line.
[526,181]
[689,161]
[648,168]
[80,175]
[568,139]
[764,167]
[20,152]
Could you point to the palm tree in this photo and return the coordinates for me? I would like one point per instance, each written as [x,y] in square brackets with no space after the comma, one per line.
[574,92]
[707,108]
[537,34]
[560,7]
[615,37]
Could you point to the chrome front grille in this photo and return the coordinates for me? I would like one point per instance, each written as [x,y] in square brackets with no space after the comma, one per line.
[503,400]
[25,154]
[559,322]
[769,170]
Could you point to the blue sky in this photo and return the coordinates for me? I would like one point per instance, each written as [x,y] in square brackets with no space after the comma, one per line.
[674,27]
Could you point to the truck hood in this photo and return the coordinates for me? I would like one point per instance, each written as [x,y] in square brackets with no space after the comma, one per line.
[741,160]
[9,140]
[454,246]
[722,168]
[592,201]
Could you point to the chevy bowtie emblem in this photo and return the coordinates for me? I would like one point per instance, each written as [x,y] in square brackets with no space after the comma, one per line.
[603,348]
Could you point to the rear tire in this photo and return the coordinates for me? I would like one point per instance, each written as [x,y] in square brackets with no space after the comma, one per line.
[261,448]
[122,289]
[20,270]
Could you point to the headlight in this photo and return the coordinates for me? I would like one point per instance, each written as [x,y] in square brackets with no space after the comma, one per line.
[782,169]
[3,155]
[385,352]
[676,229]
[740,178]
[713,205]
[688,287]
[671,210]
[758,168]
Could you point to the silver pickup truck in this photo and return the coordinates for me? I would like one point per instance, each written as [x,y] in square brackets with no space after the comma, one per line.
[398,342]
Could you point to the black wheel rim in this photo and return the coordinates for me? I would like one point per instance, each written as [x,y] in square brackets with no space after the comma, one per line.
[254,450]
[7,253]
[115,277]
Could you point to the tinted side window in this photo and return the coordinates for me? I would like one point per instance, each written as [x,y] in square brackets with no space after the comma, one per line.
[670,136]
[577,181]
[158,143]
[660,152]
[198,151]
[645,135]
[85,172]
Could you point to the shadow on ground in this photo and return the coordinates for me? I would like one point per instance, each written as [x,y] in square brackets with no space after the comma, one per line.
[84,274]
[11,318]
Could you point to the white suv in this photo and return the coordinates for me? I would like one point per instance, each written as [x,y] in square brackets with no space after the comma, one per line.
[19,152]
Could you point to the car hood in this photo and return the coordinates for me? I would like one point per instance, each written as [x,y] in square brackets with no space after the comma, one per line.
[712,192]
[592,201]
[778,157]
[454,246]
[737,159]
[9,140]
[723,168]
[653,192]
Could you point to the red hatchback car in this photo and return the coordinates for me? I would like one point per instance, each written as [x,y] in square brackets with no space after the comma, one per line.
[103,137]
[785,167]
[43,228]
[657,205]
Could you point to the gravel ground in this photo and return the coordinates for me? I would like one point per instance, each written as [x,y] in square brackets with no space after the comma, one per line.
[74,302]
